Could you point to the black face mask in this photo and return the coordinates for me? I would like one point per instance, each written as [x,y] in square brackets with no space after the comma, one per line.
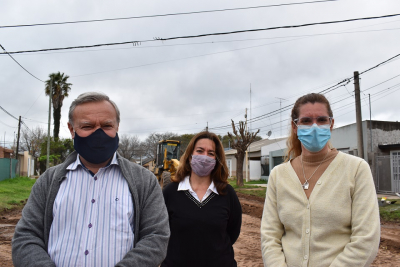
[97,147]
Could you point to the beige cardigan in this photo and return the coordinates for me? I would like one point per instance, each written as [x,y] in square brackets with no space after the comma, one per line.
[337,226]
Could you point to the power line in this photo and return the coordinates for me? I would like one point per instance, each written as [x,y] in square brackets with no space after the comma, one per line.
[163,15]
[278,27]
[7,125]
[8,113]
[327,90]
[215,42]
[20,64]
[137,42]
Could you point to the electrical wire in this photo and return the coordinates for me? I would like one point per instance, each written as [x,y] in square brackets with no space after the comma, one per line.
[213,42]
[163,15]
[20,64]
[12,116]
[278,27]
[7,125]
[381,83]
[137,42]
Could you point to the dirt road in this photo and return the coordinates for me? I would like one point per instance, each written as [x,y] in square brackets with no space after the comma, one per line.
[247,248]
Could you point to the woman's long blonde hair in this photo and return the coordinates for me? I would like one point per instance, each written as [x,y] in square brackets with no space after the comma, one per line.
[293,143]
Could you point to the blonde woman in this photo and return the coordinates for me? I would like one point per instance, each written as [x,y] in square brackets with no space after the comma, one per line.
[321,207]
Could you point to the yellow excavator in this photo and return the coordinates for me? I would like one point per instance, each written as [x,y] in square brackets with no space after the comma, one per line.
[167,161]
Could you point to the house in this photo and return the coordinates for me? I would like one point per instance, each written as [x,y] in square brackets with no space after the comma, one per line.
[381,150]
[26,164]
[254,158]
[5,153]
[148,164]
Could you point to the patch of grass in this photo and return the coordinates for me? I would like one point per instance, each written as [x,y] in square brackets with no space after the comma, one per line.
[257,182]
[248,188]
[233,184]
[259,192]
[13,192]
[390,212]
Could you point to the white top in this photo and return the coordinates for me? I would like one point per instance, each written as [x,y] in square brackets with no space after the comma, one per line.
[337,226]
[92,217]
[185,185]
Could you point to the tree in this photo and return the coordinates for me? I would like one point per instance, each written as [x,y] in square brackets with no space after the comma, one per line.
[59,150]
[58,87]
[32,140]
[149,146]
[241,141]
[185,139]
[129,147]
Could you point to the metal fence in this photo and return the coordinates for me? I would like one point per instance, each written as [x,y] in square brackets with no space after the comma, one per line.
[8,168]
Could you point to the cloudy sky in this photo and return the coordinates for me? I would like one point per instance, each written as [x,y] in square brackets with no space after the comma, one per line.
[181,85]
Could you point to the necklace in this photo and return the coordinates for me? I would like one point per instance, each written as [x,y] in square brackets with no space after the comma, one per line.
[306,184]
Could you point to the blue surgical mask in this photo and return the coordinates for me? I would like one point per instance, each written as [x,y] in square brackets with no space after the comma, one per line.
[314,137]
[96,148]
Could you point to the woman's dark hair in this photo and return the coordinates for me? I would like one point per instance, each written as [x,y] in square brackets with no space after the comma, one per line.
[219,174]
[293,143]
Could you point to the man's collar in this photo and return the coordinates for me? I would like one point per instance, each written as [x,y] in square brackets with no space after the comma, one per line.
[78,162]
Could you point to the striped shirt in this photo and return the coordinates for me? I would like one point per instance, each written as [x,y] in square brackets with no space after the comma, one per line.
[92,217]
[185,185]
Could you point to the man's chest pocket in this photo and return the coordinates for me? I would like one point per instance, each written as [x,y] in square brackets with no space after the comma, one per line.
[121,213]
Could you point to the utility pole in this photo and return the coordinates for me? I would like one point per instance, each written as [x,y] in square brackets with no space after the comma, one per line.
[19,128]
[16,152]
[48,127]
[247,155]
[280,112]
[207,127]
[248,148]
[370,121]
[358,115]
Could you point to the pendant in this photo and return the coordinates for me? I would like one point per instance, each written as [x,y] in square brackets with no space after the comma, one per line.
[305,185]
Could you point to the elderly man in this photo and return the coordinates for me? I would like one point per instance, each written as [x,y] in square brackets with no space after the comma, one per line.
[96,208]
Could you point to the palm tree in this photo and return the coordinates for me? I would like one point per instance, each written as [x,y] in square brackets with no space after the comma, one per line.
[59,90]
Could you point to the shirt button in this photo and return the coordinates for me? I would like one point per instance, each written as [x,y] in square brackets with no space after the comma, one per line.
[86,252]
[90,225]
[93,200]
[319,182]
[307,231]
[305,257]
[95,178]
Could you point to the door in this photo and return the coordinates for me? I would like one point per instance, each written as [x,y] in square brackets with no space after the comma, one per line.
[395,166]
[229,164]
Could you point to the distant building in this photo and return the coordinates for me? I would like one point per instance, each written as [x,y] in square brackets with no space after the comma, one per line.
[5,153]
[254,157]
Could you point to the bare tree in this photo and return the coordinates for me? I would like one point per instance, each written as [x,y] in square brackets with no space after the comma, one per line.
[129,146]
[32,140]
[240,141]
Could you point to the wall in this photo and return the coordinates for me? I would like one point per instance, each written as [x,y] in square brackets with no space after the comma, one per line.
[233,162]
[255,170]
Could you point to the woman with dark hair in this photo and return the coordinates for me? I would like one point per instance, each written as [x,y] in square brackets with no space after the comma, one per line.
[205,215]
[321,207]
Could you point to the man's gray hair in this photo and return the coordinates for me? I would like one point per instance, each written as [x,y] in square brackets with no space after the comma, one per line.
[87,98]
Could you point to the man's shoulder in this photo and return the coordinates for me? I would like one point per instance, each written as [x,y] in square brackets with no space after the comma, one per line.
[132,166]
